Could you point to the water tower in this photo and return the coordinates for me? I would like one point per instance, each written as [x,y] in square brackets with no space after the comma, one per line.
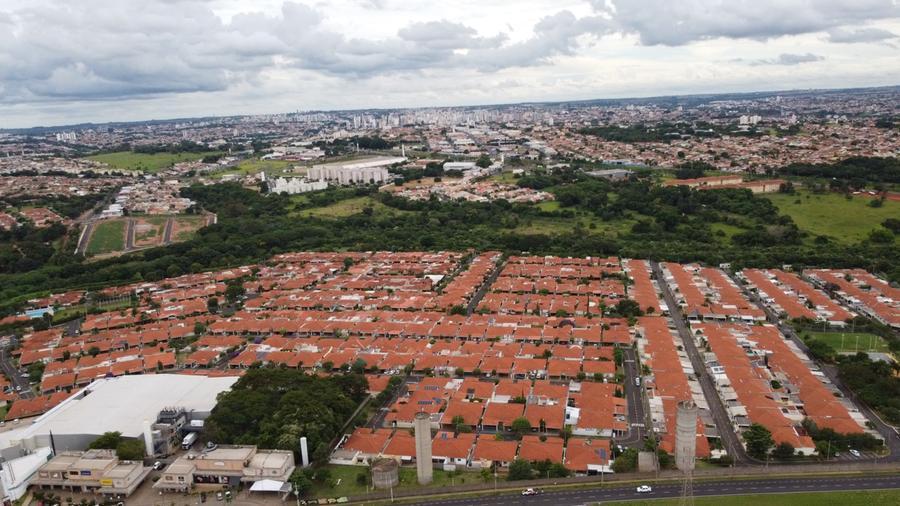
[686,448]
[424,466]
[686,435]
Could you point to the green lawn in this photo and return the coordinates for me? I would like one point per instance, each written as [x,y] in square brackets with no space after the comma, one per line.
[349,207]
[831,214]
[866,341]
[864,498]
[108,236]
[128,160]
[561,225]
[504,177]
[254,165]
[550,205]
[348,485]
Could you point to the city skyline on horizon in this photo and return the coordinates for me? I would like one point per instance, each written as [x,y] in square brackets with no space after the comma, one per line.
[99,61]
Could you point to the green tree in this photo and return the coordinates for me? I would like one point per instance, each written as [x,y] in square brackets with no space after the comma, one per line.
[521,426]
[130,449]
[783,451]
[484,161]
[107,441]
[758,440]
[519,470]
[626,462]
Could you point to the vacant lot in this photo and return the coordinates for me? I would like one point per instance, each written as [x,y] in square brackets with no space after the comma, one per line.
[349,207]
[252,166]
[148,230]
[127,160]
[851,342]
[831,214]
[867,498]
[108,236]
[186,225]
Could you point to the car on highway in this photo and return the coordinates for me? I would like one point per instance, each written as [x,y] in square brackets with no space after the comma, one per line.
[529,491]
[644,489]
[853,452]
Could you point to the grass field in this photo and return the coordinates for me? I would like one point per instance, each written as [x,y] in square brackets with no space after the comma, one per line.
[863,498]
[831,214]
[127,160]
[349,207]
[866,341]
[108,236]
[252,166]
[504,177]
[349,486]
[186,226]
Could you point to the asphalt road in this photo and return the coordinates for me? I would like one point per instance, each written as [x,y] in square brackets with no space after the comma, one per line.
[722,487]
[84,238]
[15,377]
[637,418]
[730,440]
[167,231]
[129,234]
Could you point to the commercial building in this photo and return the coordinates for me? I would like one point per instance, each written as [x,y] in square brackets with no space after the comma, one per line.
[97,471]
[125,404]
[226,467]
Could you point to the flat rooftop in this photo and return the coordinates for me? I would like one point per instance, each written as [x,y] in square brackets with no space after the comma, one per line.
[123,404]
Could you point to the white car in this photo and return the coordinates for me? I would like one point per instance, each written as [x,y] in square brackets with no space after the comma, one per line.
[529,491]
[157,465]
[644,489]
[854,453]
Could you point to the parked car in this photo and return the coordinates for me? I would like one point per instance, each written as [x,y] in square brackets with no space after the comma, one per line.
[644,489]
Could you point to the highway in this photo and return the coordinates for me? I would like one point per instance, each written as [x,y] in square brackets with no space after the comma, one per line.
[730,440]
[722,487]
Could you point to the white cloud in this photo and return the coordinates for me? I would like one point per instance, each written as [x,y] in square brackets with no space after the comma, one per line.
[62,61]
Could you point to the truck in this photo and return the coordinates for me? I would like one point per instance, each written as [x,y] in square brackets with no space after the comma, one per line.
[189,441]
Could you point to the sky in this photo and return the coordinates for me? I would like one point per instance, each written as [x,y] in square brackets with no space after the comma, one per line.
[65,62]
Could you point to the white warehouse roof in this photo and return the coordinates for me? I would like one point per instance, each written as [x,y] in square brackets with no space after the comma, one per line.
[123,404]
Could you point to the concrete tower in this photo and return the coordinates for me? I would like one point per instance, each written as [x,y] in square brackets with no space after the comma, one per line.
[423,448]
[686,435]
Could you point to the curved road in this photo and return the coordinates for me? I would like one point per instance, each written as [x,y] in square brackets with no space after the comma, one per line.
[723,487]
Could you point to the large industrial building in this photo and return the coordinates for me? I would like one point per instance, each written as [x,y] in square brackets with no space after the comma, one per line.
[127,404]
[359,171]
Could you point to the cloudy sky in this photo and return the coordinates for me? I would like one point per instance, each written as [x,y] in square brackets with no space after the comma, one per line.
[107,60]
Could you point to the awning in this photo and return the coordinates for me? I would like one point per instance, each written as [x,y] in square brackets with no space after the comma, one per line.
[270,486]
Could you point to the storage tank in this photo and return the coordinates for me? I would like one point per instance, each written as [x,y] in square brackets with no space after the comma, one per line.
[686,435]
[424,467]
[385,473]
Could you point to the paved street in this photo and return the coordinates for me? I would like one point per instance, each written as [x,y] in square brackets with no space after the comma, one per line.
[15,377]
[730,440]
[704,488]
[637,418]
